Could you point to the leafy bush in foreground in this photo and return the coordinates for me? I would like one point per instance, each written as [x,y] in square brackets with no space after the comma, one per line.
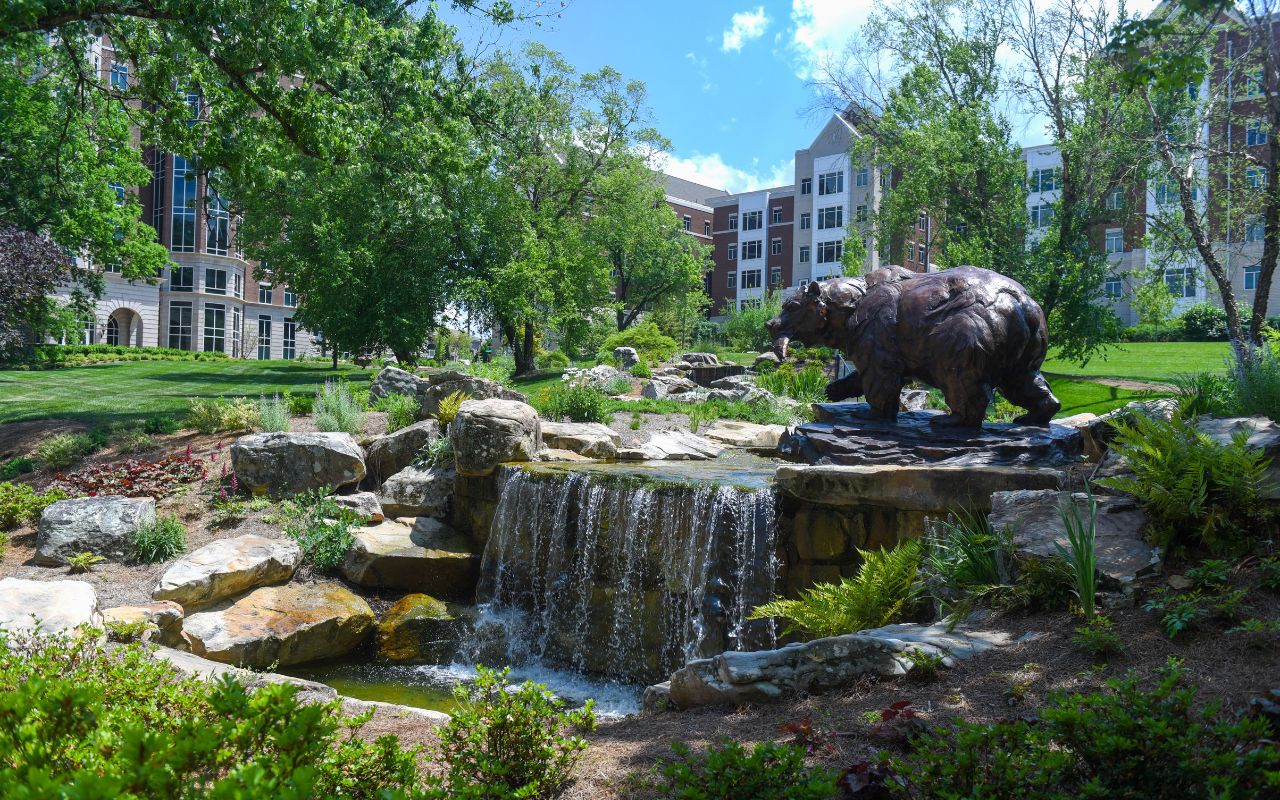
[160,540]
[65,449]
[22,505]
[580,402]
[337,410]
[322,528]
[769,771]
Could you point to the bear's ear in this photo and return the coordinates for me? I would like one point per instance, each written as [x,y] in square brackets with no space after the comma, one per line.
[813,289]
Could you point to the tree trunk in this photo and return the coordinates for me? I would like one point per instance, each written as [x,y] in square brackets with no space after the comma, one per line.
[335,359]
[524,356]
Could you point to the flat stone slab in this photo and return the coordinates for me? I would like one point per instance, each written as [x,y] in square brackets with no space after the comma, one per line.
[1035,521]
[418,492]
[365,504]
[590,439]
[103,526]
[673,446]
[746,435]
[931,488]
[428,556]
[733,678]
[227,567]
[58,605]
[164,616]
[846,434]
[283,625]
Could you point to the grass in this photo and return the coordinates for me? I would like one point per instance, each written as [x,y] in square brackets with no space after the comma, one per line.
[1078,396]
[1159,362]
[105,393]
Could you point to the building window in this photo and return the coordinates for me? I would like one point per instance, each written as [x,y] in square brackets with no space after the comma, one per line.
[182,279]
[236,328]
[804,254]
[775,276]
[806,185]
[752,249]
[922,254]
[180,326]
[290,344]
[733,222]
[118,188]
[120,77]
[922,222]
[752,220]
[1181,281]
[751,279]
[218,224]
[113,266]
[806,221]
[215,281]
[182,237]
[830,218]
[860,213]
[731,281]
[706,228]
[215,328]
[157,192]
[688,222]
[1255,134]
[290,298]
[776,216]
[1115,199]
[264,293]
[1253,83]
[775,247]
[831,183]
[733,251]
[1255,230]
[1041,215]
[113,331]
[1251,275]
[90,325]
[864,177]
[1115,240]
[1112,289]
[264,338]
[1166,193]
[238,283]
[830,252]
[1044,180]
[1256,177]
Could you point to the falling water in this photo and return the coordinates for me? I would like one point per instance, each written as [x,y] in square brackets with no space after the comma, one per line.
[624,577]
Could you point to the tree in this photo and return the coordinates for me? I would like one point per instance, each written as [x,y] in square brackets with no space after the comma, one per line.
[31,267]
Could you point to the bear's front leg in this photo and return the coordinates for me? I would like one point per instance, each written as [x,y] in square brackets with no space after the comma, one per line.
[884,394]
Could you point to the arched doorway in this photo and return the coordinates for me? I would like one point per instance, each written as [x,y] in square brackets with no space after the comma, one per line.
[113,330]
[124,328]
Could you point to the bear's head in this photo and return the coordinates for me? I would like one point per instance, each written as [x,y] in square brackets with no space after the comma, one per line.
[814,315]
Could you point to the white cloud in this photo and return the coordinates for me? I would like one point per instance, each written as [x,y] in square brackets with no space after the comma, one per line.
[745,26]
[711,170]
[821,29]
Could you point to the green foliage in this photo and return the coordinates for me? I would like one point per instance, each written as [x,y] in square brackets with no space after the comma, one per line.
[578,401]
[438,453]
[1200,493]
[1211,574]
[161,540]
[769,771]
[220,414]
[401,410]
[448,407]
[322,528]
[160,424]
[1206,393]
[1256,378]
[337,410]
[299,405]
[807,384]
[1082,533]
[77,720]
[650,343]
[1178,612]
[505,741]
[132,439]
[1204,322]
[924,665]
[83,562]
[965,553]
[618,385]
[127,630]
[273,414]
[744,328]
[1152,333]
[53,356]
[16,466]
[883,592]
[642,370]
[1152,301]
[65,449]
[1269,574]
[553,360]
[1097,637]
[1126,742]
[1259,633]
[22,505]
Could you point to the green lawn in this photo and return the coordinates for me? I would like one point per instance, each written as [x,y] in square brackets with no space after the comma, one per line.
[1078,397]
[1159,362]
[125,392]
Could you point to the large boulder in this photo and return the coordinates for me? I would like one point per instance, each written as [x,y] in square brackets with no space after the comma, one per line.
[428,556]
[281,625]
[294,463]
[393,380]
[673,446]
[708,359]
[661,388]
[739,382]
[626,357]
[59,606]
[386,455]
[589,439]
[486,433]
[745,435]
[227,567]
[365,505]
[418,492]
[163,619]
[600,376]
[766,360]
[442,384]
[418,629]
[103,526]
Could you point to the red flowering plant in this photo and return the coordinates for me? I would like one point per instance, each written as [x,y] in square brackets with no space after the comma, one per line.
[134,477]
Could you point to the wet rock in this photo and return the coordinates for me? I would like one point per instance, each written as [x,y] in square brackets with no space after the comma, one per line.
[419,629]
[364,504]
[418,492]
[103,526]
[227,567]
[163,617]
[442,384]
[673,446]
[553,454]
[626,357]
[281,625]
[285,464]
[428,556]
[589,439]
[486,433]
[60,606]
[387,455]
[709,359]
[746,435]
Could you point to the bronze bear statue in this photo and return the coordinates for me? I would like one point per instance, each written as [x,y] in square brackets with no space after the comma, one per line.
[966,331]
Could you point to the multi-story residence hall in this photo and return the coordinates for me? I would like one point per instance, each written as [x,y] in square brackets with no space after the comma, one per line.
[210,299]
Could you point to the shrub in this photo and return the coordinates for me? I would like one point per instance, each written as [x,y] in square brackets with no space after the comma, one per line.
[448,407]
[1269,574]
[967,562]
[641,369]
[1178,612]
[650,343]
[745,329]
[208,415]
[133,440]
[504,741]
[438,453]
[136,477]
[81,721]
[1082,532]
[1256,380]
[1213,573]
[1168,332]
[1204,322]
[553,359]
[1199,492]
[83,562]
[580,402]
[160,424]
[401,410]
[15,467]
[1126,742]
[299,405]
[769,771]
[1097,637]
[619,385]
[807,384]
[336,409]
[322,528]
[1206,393]
[273,414]
[161,540]
[883,592]
[65,449]
[22,505]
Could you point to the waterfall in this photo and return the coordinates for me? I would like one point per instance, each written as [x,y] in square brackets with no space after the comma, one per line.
[623,576]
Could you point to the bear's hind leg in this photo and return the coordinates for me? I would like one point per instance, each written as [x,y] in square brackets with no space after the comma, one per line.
[967,404]
[1032,392]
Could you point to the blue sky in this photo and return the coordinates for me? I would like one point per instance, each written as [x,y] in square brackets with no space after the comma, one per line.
[728,80]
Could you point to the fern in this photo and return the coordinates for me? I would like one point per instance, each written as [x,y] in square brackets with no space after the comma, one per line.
[448,407]
[1199,491]
[883,591]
